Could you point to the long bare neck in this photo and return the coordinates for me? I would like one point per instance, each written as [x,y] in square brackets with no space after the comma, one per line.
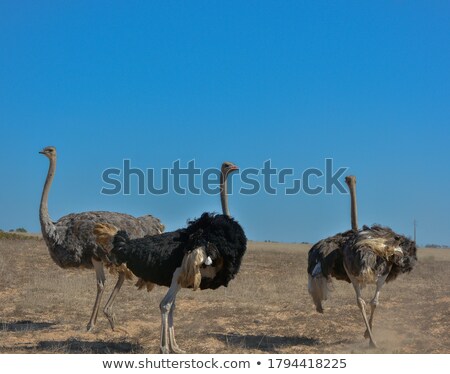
[223,194]
[47,226]
[354,208]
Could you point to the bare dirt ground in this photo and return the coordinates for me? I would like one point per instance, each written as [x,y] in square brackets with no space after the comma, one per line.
[266,309]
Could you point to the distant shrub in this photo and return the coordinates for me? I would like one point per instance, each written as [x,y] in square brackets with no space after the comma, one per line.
[21,229]
[436,246]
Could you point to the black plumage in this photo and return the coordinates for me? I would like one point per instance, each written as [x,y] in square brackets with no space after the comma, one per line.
[155,258]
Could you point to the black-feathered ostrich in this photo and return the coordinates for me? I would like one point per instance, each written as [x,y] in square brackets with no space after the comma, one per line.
[71,242]
[206,254]
[372,255]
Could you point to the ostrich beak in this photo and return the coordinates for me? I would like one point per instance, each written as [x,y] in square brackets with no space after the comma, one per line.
[42,152]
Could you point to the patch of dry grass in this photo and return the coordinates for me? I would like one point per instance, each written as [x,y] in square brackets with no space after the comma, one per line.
[266,309]
[19,236]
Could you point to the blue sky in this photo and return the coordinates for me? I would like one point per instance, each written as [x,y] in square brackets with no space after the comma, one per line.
[366,84]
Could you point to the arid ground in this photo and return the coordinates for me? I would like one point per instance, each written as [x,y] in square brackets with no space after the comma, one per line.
[266,309]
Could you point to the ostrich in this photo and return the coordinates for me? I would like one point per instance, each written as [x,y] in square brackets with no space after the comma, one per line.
[372,255]
[72,245]
[206,254]
[325,258]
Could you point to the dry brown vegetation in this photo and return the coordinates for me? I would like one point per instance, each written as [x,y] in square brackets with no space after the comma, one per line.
[266,309]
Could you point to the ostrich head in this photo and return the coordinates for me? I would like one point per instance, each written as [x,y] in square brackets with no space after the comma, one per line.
[227,168]
[350,180]
[49,152]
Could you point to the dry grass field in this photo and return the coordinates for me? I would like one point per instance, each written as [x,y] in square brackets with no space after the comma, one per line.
[266,309]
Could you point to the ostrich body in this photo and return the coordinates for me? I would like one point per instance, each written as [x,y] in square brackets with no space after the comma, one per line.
[71,243]
[206,254]
[372,255]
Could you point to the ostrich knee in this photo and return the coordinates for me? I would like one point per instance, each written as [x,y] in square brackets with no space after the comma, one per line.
[165,307]
[361,303]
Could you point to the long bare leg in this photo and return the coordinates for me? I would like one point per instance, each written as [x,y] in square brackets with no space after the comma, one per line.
[165,306]
[108,307]
[100,275]
[172,342]
[374,301]
[362,306]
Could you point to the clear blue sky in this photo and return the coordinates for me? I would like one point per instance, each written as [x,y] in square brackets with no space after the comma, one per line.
[367,84]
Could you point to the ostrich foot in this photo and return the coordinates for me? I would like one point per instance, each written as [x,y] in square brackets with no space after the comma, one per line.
[372,344]
[175,349]
[90,327]
[171,348]
[164,350]
[121,330]
[111,318]
[178,350]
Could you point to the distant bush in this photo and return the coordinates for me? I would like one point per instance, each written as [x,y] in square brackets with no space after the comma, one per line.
[436,246]
[21,229]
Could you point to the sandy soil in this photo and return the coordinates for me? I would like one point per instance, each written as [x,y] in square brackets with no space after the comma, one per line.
[266,309]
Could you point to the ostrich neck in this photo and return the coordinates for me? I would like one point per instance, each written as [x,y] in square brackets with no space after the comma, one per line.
[223,194]
[354,209]
[47,226]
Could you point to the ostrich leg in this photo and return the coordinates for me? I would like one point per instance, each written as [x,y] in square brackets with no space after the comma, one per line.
[166,306]
[108,307]
[362,306]
[374,302]
[172,343]
[100,275]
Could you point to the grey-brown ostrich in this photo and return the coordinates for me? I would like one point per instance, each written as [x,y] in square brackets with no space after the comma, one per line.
[372,255]
[71,242]
[206,254]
